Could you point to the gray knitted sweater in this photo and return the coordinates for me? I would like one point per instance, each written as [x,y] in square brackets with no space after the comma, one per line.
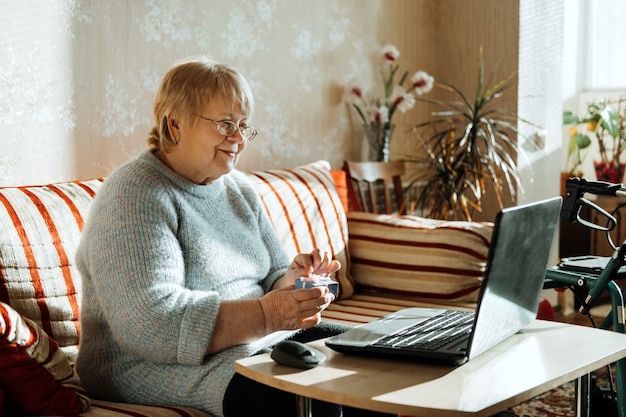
[157,255]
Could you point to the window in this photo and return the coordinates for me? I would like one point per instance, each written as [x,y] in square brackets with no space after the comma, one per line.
[605,41]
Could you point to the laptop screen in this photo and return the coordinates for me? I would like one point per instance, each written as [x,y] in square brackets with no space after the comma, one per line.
[519,254]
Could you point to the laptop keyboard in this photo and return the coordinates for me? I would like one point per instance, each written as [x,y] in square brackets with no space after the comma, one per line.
[431,334]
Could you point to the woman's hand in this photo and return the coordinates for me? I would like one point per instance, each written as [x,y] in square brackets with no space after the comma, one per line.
[289,309]
[285,308]
[317,262]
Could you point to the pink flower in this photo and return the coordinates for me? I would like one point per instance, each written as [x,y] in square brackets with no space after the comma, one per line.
[422,82]
[389,53]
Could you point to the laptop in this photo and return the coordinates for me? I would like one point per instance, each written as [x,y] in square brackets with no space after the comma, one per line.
[508,300]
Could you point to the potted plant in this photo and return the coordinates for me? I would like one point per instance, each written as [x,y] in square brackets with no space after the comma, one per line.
[376,114]
[577,150]
[468,145]
[604,123]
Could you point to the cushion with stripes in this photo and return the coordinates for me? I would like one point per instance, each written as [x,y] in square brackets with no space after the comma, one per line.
[35,375]
[307,213]
[418,257]
[365,306]
[39,233]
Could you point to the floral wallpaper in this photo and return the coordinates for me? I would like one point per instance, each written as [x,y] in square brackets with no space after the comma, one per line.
[78,77]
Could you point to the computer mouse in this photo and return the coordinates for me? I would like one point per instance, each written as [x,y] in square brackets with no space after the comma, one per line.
[296,355]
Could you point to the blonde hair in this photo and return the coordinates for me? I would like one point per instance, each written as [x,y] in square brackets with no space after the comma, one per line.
[188,87]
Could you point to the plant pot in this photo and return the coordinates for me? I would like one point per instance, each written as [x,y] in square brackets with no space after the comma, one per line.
[613,173]
[567,175]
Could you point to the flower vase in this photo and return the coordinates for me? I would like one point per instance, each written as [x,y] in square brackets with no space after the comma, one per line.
[379,140]
[613,173]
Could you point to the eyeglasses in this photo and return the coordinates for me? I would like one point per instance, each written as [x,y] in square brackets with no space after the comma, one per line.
[228,128]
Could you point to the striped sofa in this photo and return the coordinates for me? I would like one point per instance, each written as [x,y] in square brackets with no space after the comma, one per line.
[389,262]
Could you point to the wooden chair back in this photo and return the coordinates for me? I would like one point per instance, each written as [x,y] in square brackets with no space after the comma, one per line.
[371,183]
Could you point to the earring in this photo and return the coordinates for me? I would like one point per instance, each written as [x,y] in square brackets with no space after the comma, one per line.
[175,140]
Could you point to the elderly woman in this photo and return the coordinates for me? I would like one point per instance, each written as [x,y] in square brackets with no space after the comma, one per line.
[182,272]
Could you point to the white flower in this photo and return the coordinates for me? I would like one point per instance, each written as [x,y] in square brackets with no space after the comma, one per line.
[422,82]
[378,114]
[353,94]
[396,96]
[389,53]
[401,99]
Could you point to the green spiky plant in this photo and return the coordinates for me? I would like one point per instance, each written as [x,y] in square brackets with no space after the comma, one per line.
[466,148]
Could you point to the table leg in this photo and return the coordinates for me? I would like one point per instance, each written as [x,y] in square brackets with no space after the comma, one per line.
[617,316]
[583,392]
[304,406]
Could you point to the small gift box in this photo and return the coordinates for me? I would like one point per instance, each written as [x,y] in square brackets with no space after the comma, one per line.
[318,281]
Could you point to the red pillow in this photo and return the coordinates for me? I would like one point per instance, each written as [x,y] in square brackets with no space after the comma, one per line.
[35,376]
[1,403]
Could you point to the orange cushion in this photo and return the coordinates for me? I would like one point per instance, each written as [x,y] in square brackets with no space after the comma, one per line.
[339,177]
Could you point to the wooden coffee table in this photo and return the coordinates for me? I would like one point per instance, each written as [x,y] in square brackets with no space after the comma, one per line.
[542,356]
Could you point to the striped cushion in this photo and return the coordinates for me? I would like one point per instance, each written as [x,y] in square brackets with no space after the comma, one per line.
[34,373]
[364,307]
[423,258]
[306,212]
[39,233]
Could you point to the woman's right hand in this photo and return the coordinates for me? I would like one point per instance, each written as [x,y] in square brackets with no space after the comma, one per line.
[244,321]
[291,309]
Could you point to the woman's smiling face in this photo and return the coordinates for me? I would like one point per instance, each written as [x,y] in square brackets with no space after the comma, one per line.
[202,153]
